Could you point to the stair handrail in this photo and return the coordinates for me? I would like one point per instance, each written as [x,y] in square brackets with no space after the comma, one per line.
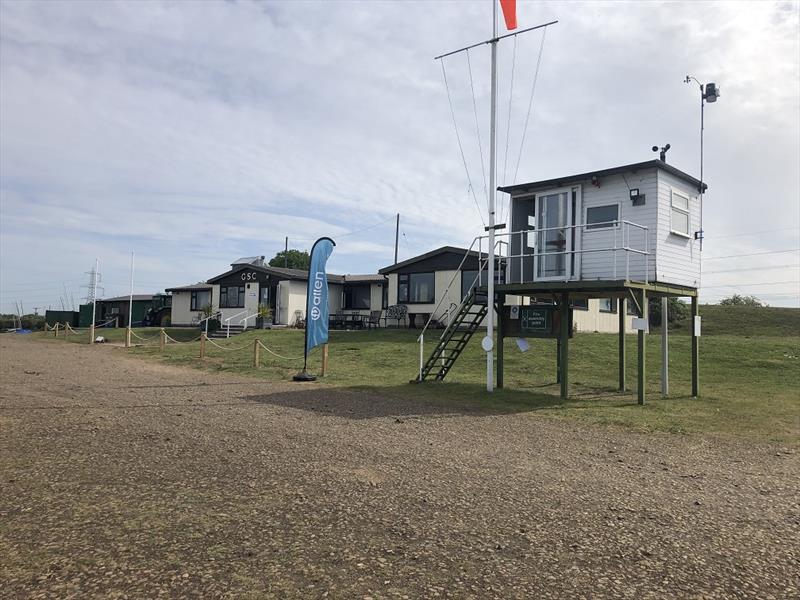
[228,322]
[481,264]
[248,317]
[208,318]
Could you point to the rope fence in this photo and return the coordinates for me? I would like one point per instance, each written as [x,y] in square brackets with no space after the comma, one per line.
[163,338]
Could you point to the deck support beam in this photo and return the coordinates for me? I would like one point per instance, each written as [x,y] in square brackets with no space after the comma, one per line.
[622,308]
[664,347]
[642,363]
[564,350]
[501,300]
[695,350]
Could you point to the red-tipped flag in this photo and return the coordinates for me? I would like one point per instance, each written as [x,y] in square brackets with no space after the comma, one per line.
[509,13]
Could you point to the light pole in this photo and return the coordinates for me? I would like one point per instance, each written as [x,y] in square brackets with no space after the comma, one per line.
[709,92]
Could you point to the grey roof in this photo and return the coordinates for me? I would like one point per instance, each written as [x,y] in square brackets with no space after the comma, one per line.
[136,298]
[431,254]
[559,181]
[186,288]
[376,278]
[292,274]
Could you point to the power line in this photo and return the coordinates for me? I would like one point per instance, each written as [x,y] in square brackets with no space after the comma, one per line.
[738,285]
[762,268]
[730,235]
[752,254]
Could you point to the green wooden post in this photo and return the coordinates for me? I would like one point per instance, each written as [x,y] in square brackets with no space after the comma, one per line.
[695,351]
[641,347]
[622,308]
[500,337]
[558,358]
[564,345]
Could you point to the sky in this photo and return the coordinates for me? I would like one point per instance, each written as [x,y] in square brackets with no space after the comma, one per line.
[196,133]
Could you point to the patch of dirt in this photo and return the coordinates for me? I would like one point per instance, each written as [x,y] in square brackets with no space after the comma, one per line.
[124,478]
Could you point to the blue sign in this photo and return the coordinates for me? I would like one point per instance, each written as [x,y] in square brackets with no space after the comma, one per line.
[317,310]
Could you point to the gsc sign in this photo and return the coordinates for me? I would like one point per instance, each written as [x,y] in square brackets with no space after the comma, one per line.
[249,276]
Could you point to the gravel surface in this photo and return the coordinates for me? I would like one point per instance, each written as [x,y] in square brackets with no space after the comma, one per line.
[121,478]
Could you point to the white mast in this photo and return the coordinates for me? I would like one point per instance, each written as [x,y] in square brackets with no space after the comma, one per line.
[94,298]
[492,160]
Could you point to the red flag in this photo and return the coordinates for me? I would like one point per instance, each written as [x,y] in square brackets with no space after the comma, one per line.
[509,13]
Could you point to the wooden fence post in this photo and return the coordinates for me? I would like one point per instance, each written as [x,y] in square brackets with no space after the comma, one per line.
[256,354]
[324,360]
[203,345]
[162,339]
[56,328]
[128,337]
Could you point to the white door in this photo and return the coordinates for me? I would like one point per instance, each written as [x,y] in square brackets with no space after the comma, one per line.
[554,235]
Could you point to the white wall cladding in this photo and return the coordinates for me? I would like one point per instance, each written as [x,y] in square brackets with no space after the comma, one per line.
[614,190]
[678,256]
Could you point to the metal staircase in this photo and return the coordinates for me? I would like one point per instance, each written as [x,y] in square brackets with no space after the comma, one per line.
[455,337]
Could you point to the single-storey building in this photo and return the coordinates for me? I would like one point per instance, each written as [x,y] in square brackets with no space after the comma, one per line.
[237,294]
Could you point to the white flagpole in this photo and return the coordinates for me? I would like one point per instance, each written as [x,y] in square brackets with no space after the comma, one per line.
[94,298]
[130,308]
[492,160]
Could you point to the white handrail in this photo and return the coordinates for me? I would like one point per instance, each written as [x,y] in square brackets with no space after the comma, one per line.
[228,322]
[216,314]
[255,314]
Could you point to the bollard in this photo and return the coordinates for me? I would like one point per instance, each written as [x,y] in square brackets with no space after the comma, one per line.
[128,337]
[256,354]
[324,360]
[162,339]
[91,333]
[56,330]
[202,345]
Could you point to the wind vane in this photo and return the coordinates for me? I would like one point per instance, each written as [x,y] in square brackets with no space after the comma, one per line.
[510,15]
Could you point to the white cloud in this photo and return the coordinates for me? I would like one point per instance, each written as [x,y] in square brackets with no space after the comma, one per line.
[200,132]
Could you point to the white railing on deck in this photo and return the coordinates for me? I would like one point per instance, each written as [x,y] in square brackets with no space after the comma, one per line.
[228,322]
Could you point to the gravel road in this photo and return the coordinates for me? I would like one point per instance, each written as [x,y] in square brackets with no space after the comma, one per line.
[122,478]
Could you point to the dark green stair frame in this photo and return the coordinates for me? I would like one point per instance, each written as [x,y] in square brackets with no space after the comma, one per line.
[455,337]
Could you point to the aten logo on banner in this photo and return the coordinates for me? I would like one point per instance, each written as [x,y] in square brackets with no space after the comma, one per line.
[317,296]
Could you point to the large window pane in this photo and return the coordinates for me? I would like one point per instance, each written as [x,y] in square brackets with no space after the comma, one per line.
[231,297]
[680,221]
[357,297]
[421,287]
[599,217]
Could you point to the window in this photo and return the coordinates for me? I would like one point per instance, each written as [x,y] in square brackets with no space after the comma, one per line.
[416,288]
[680,214]
[602,217]
[608,305]
[580,304]
[468,280]
[356,297]
[231,296]
[200,299]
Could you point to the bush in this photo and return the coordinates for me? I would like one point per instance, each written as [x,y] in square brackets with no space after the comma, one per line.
[676,311]
[739,300]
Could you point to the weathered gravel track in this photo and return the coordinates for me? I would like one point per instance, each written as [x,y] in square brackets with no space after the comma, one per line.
[121,478]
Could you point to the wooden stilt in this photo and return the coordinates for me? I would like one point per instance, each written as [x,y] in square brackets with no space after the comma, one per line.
[622,314]
[664,347]
[564,354]
[695,350]
[203,345]
[500,334]
[642,366]
[324,360]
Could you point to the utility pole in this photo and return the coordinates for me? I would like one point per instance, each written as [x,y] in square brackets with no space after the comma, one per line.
[286,253]
[396,237]
[130,308]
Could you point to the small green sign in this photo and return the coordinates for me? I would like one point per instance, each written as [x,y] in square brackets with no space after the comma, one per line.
[535,319]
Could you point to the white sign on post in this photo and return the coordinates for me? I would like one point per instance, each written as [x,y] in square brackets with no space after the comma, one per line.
[697,326]
[514,311]
[640,324]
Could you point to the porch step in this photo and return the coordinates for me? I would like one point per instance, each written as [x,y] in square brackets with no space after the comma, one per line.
[222,331]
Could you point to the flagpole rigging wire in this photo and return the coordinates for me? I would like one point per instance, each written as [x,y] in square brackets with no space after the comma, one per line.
[460,146]
[508,125]
[477,126]
[530,102]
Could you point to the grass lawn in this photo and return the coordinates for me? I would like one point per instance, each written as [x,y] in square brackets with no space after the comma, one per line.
[750,384]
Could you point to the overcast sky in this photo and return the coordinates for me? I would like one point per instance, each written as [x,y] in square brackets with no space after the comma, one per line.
[197,133]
